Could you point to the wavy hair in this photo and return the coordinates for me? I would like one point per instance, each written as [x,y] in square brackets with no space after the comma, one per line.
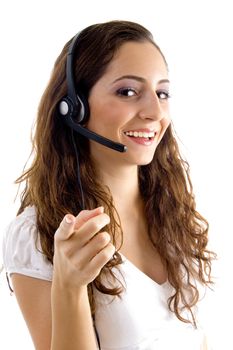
[165,185]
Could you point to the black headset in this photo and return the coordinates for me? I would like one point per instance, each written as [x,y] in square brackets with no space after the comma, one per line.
[74,108]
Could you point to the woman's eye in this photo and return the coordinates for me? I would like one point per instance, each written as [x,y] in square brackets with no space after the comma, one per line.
[163,95]
[127,92]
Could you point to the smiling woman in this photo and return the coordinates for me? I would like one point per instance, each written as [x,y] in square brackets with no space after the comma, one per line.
[108,250]
[121,103]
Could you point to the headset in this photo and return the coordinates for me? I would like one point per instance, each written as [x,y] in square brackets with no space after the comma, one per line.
[74,108]
[74,111]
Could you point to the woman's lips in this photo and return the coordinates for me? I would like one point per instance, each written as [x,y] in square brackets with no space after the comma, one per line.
[141,136]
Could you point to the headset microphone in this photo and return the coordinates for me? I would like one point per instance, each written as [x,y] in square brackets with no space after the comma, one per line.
[74,108]
[90,134]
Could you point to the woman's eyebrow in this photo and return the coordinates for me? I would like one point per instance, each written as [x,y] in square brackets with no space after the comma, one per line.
[140,79]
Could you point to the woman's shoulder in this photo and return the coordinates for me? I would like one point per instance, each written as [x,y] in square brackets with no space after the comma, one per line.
[22,227]
[22,252]
[28,213]
[26,218]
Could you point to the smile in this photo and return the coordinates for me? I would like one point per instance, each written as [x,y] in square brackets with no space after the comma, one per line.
[141,137]
[142,134]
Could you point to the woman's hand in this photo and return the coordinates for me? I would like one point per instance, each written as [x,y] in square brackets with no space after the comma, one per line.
[80,249]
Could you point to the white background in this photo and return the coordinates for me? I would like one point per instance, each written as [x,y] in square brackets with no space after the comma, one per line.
[196,38]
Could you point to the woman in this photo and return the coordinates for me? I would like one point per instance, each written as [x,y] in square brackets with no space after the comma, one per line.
[123,273]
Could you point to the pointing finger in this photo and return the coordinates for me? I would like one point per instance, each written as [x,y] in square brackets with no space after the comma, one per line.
[85,215]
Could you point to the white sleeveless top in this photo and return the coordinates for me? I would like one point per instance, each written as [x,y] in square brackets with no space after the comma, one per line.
[139,320]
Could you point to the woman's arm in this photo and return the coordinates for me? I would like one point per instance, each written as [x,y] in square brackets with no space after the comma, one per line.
[55,319]
[72,326]
[33,296]
[58,313]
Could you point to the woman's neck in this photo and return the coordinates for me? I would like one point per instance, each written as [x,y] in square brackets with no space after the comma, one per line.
[124,187]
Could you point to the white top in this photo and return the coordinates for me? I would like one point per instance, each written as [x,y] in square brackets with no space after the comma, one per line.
[140,320]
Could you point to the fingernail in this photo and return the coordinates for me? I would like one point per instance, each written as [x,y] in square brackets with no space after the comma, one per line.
[69,219]
[101,209]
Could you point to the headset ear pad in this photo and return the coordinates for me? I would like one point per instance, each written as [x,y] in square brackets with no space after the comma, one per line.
[83,109]
[77,110]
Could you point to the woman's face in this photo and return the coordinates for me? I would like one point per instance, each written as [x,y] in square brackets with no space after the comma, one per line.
[129,105]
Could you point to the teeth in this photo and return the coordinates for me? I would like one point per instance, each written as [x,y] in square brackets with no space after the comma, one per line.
[140,134]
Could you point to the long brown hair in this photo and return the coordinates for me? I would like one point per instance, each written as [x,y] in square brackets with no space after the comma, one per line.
[165,185]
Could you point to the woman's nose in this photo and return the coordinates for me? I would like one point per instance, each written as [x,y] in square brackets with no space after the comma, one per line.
[151,108]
